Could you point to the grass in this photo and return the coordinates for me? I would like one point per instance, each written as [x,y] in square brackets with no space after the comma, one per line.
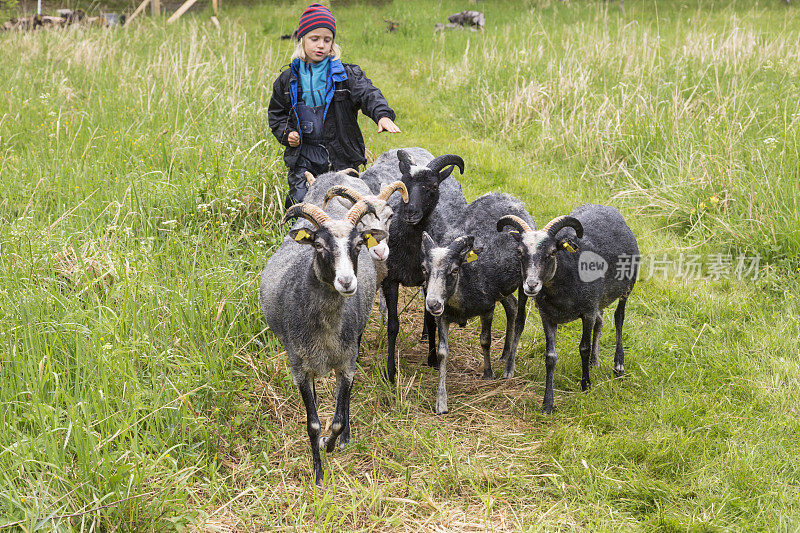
[140,194]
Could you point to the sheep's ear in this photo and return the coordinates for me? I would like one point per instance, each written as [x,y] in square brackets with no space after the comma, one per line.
[473,254]
[303,235]
[372,237]
[568,244]
[427,243]
[516,234]
[405,162]
[463,247]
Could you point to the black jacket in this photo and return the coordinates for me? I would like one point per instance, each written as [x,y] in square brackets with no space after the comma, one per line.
[341,132]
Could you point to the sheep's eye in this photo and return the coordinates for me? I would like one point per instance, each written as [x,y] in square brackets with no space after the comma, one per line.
[453,270]
[318,246]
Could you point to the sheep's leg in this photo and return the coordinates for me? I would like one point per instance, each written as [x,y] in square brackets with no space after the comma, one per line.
[430,326]
[510,344]
[441,393]
[594,359]
[344,439]
[425,327]
[486,344]
[344,383]
[619,354]
[390,291]
[306,386]
[585,348]
[382,306]
[519,324]
[550,358]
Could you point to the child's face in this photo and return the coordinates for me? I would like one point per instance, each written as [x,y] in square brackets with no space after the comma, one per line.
[317,44]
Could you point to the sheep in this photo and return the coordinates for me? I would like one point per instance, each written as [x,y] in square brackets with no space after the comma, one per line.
[386,168]
[346,184]
[316,294]
[405,235]
[468,275]
[567,285]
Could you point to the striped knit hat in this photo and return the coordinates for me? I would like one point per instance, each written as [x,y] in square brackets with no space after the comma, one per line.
[316,16]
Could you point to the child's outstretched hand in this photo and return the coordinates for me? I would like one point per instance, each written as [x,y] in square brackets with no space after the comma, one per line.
[294,139]
[386,124]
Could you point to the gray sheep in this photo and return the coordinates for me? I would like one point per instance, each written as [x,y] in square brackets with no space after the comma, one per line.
[575,267]
[316,294]
[475,268]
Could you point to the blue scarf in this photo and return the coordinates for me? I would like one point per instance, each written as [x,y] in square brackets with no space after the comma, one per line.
[314,81]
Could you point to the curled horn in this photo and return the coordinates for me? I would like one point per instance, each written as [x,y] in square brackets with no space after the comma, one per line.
[310,179]
[391,188]
[559,223]
[343,191]
[361,208]
[515,221]
[310,212]
[446,161]
[350,172]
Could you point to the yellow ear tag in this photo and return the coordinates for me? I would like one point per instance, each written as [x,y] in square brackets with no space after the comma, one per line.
[302,234]
[471,256]
[372,242]
[568,247]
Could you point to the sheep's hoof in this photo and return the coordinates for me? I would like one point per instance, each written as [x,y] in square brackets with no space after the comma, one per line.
[508,375]
[424,336]
[585,385]
[619,370]
[547,409]
[488,374]
[330,445]
[444,412]
[343,444]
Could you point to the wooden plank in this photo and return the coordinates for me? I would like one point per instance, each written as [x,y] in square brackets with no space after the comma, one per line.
[215,6]
[138,10]
[156,5]
[181,10]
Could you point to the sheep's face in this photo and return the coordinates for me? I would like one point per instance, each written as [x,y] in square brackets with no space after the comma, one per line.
[336,246]
[441,267]
[378,248]
[423,194]
[422,184]
[379,222]
[538,253]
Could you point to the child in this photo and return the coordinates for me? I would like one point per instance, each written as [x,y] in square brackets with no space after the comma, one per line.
[315,102]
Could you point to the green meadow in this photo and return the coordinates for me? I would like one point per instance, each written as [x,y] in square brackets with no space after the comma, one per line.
[141,193]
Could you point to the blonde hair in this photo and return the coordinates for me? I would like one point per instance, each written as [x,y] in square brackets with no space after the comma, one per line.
[300,52]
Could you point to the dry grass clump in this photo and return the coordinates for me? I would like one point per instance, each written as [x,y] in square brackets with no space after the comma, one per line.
[92,265]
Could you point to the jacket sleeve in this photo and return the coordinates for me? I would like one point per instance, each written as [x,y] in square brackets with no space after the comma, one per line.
[366,96]
[280,111]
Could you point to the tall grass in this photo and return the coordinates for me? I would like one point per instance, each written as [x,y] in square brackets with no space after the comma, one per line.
[140,194]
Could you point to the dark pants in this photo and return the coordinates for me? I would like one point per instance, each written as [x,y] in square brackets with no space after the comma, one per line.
[313,156]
